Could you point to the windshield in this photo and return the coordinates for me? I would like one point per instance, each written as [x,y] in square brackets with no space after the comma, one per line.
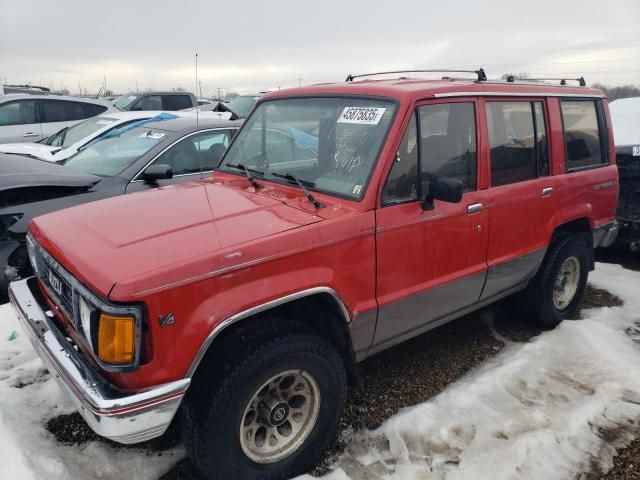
[332,144]
[112,155]
[124,101]
[241,106]
[68,136]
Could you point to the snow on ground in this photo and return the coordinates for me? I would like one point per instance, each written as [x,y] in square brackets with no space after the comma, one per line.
[28,398]
[551,408]
[625,117]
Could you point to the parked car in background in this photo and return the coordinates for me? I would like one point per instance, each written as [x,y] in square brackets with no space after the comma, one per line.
[129,159]
[344,219]
[625,116]
[68,141]
[30,118]
[169,101]
[241,105]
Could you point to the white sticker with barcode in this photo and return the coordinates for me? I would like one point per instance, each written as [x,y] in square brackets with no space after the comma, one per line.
[636,151]
[361,115]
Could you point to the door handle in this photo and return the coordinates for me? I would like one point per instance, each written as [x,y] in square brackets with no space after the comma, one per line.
[30,134]
[474,208]
[547,191]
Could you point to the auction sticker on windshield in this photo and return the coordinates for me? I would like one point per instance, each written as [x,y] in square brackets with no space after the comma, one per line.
[636,151]
[361,115]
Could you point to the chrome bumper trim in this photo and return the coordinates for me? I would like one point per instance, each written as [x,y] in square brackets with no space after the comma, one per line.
[124,417]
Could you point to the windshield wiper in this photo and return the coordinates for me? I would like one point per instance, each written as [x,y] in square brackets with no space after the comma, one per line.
[247,172]
[300,183]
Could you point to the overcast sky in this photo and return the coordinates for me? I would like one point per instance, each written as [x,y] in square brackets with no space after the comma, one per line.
[251,45]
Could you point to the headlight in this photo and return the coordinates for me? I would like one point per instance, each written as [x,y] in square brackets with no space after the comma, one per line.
[86,313]
[116,338]
[32,255]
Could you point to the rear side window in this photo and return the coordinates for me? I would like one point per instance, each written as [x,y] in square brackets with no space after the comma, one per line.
[21,112]
[152,102]
[61,111]
[518,141]
[448,143]
[92,110]
[176,102]
[582,134]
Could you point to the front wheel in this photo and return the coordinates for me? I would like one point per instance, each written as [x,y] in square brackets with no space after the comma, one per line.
[271,416]
[557,290]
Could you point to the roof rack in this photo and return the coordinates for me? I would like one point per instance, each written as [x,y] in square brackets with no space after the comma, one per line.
[563,81]
[482,77]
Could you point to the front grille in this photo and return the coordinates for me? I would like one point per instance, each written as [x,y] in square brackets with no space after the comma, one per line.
[55,279]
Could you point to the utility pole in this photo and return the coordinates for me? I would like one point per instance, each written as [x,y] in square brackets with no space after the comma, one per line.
[299,80]
[136,86]
[200,85]
[219,97]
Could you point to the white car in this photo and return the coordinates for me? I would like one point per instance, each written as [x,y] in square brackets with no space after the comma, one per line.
[68,141]
[31,118]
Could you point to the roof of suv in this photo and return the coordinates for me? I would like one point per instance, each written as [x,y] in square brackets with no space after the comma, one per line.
[411,88]
[19,96]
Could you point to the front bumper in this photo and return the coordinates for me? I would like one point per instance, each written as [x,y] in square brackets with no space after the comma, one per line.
[124,417]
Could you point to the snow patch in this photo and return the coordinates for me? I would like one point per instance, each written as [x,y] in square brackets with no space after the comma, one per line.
[552,408]
[29,396]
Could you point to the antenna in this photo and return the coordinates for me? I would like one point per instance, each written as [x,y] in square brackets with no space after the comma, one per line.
[197,120]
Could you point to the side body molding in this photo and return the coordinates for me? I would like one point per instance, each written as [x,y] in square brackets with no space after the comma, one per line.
[261,308]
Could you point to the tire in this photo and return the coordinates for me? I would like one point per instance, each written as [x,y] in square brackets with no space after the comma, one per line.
[550,299]
[217,413]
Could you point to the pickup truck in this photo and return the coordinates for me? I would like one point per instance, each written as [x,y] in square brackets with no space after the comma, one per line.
[343,219]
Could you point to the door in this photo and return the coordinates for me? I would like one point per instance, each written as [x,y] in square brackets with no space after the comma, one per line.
[19,121]
[189,158]
[430,263]
[521,194]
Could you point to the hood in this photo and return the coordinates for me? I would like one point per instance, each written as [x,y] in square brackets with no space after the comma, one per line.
[17,171]
[44,152]
[145,240]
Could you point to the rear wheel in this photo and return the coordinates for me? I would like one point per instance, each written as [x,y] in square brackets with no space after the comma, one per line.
[557,290]
[272,415]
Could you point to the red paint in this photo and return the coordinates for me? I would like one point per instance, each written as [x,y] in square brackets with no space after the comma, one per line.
[208,250]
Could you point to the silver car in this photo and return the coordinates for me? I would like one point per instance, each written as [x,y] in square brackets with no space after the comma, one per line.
[30,118]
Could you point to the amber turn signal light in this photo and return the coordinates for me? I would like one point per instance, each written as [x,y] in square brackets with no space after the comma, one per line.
[116,339]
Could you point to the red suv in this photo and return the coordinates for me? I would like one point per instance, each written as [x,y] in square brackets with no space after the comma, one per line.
[344,219]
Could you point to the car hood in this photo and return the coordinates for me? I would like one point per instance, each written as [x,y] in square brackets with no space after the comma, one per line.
[17,171]
[147,240]
[44,152]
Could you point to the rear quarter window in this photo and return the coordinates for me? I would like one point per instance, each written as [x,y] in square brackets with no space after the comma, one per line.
[584,141]
[92,110]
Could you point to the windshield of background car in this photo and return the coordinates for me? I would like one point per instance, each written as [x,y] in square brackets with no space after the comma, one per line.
[114,154]
[330,143]
[74,134]
[124,101]
[241,106]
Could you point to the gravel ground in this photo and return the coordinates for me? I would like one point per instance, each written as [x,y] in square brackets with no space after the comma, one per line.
[410,374]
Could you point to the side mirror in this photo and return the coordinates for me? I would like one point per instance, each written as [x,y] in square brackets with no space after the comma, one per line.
[443,188]
[156,172]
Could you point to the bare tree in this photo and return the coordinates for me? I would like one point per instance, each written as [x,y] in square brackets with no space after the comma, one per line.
[614,93]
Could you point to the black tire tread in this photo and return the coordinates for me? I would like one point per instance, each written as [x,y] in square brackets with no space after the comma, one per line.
[196,415]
